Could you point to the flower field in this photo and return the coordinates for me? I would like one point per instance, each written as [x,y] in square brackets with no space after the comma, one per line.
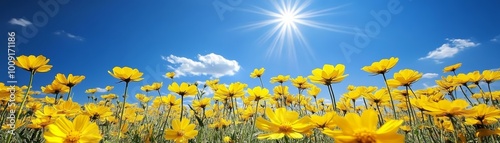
[463,107]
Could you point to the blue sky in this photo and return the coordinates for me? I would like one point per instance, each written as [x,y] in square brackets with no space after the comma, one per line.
[208,39]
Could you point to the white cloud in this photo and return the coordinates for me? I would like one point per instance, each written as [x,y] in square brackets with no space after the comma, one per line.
[427,86]
[429,75]
[101,90]
[495,39]
[20,22]
[211,64]
[449,49]
[69,35]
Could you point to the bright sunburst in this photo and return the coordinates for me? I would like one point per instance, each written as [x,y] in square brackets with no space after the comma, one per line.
[285,34]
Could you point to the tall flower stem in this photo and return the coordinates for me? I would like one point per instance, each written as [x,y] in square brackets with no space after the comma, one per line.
[24,101]
[122,110]
[390,95]
[69,93]
[182,107]
[332,96]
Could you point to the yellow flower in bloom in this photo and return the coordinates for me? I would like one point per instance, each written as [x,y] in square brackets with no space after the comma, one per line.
[404,77]
[475,77]
[156,85]
[55,88]
[97,111]
[314,91]
[201,103]
[258,93]
[329,74]
[70,81]
[170,75]
[325,121]
[126,74]
[447,108]
[381,66]
[91,91]
[33,64]
[482,114]
[109,88]
[356,129]
[220,123]
[257,73]
[184,89]
[69,108]
[301,82]
[81,130]
[236,89]
[283,123]
[143,98]
[109,96]
[227,139]
[280,79]
[181,131]
[452,68]
[491,76]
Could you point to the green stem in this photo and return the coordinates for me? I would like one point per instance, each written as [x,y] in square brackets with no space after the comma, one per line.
[390,95]
[122,110]
[69,93]
[24,101]
[182,107]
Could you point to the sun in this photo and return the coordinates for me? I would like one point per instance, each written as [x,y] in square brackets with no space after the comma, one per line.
[285,21]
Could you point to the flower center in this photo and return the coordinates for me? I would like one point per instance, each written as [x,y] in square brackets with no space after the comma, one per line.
[285,128]
[180,133]
[72,137]
[365,136]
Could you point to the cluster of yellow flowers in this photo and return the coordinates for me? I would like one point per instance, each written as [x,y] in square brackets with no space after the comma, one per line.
[458,109]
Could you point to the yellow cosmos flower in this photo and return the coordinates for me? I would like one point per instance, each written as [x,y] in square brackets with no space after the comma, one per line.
[301,82]
[201,103]
[280,79]
[325,121]
[55,88]
[447,108]
[181,131]
[483,114]
[356,129]
[170,75]
[314,91]
[452,68]
[126,74]
[91,91]
[381,66]
[109,88]
[184,89]
[329,74]
[33,64]
[79,131]
[258,93]
[257,73]
[70,81]
[283,123]
[490,76]
[404,77]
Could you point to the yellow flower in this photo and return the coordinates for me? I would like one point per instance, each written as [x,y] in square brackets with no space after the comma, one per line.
[201,103]
[236,89]
[356,129]
[329,74]
[283,122]
[183,90]
[447,108]
[80,130]
[70,81]
[156,85]
[280,79]
[109,88]
[404,77]
[482,114]
[301,82]
[227,139]
[109,96]
[97,111]
[452,68]
[381,66]
[314,91]
[33,64]
[258,93]
[143,98]
[55,88]
[91,91]
[257,73]
[126,74]
[170,75]
[491,76]
[325,121]
[181,131]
